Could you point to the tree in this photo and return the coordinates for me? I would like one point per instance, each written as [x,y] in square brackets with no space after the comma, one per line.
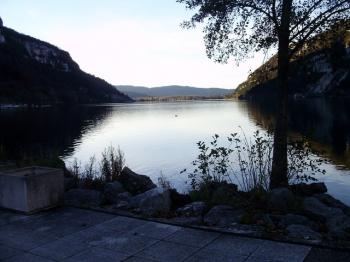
[238,27]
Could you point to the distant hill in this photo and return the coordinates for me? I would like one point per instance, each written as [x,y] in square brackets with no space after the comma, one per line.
[172,91]
[36,72]
[322,68]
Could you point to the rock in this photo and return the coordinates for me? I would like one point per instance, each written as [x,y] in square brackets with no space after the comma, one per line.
[111,192]
[135,183]
[192,210]
[69,183]
[339,227]
[280,199]
[122,205]
[186,221]
[152,202]
[332,202]
[309,189]
[125,196]
[303,232]
[264,220]
[337,222]
[319,211]
[292,219]
[83,197]
[223,216]
[178,200]
[249,230]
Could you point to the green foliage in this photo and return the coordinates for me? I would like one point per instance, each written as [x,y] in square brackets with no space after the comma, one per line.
[249,162]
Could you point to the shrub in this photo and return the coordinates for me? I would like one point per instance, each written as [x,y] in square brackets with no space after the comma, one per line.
[249,161]
[112,163]
[163,182]
[95,174]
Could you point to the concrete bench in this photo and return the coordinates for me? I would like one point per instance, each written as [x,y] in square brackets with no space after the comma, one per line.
[31,189]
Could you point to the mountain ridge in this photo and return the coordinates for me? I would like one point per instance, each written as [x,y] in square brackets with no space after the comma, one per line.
[33,71]
[172,91]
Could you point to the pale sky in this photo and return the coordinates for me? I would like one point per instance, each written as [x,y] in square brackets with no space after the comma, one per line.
[131,42]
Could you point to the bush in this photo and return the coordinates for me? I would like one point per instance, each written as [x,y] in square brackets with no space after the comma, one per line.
[95,174]
[112,163]
[249,161]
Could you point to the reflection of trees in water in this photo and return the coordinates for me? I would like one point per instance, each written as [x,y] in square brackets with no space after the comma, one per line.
[45,132]
[326,122]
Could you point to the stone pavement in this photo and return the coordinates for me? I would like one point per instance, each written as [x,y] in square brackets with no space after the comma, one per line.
[72,234]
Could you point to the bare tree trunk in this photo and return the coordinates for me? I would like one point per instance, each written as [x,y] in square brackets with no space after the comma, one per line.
[279,174]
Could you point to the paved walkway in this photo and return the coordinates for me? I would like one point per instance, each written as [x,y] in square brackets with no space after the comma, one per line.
[71,234]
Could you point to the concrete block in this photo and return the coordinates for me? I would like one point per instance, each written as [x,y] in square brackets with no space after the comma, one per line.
[31,189]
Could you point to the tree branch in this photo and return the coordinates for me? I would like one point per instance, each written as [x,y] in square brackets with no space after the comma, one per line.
[314,21]
[307,14]
[301,42]
[259,9]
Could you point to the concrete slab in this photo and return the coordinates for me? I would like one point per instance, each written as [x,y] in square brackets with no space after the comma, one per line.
[97,255]
[121,224]
[27,257]
[71,234]
[167,251]
[127,242]
[206,255]
[325,255]
[138,259]
[281,252]
[18,238]
[7,252]
[239,245]
[155,230]
[59,249]
[192,237]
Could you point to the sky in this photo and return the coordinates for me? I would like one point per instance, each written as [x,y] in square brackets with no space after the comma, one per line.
[127,42]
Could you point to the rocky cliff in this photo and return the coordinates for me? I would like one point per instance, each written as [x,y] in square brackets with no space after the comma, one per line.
[36,72]
[322,68]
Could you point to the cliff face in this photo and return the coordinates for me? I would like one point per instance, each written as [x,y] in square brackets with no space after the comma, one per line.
[320,70]
[36,72]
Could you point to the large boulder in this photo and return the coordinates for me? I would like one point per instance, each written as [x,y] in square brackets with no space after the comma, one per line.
[111,192]
[304,233]
[153,202]
[135,183]
[280,199]
[332,202]
[338,223]
[292,219]
[223,216]
[309,189]
[194,209]
[318,210]
[339,227]
[83,197]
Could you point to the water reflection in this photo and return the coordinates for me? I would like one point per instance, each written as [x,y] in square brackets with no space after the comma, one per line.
[325,122]
[45,131]
[161,137]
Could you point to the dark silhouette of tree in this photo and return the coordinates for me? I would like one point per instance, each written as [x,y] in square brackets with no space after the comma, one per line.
[239,27]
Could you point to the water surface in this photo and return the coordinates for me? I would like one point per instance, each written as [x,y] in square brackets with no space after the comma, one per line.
[161,137]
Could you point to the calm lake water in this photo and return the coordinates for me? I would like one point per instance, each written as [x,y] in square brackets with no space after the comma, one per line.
[161,137]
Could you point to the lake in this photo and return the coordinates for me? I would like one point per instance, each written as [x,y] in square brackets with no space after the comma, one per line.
[160,138]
